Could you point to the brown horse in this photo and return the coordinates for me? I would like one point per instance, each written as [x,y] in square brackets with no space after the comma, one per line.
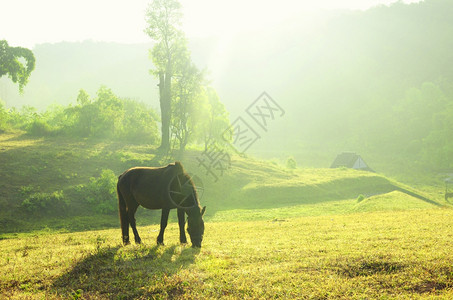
[160,188]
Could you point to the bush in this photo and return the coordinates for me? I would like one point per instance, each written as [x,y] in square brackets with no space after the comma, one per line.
[291,163]
[45,203]
[3,117]
[106,116]
[100,193]
[360,198]
[139,123]
[39,128]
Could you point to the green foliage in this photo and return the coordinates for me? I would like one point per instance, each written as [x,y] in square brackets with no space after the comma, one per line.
[106,116]
[216,121]
[180,81]
[139,123]
[187,105]
[170,48]
[22,118]
[291,163]
[39,127]
[100,192]
[100,118]
[3,117]
[45,203]
[360,198]
[11,65]
[77,294]
[164,22]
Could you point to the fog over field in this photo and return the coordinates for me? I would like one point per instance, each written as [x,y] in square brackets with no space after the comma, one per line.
[306,147]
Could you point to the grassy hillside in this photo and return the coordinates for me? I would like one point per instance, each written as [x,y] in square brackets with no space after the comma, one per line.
[406,254]
[271,232]
[249,190]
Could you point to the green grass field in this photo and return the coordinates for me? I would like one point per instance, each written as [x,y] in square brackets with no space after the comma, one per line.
[270,233]
[404,254]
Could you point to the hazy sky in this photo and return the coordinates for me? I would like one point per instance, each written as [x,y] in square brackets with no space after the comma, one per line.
[29,22]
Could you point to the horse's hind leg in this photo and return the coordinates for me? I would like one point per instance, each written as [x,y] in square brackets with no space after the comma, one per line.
[131,216]
[163,225]
[182,224]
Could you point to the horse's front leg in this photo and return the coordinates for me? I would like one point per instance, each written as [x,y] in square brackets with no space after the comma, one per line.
[182,224]
[163,225]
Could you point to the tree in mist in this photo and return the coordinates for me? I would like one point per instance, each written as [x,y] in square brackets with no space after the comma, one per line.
[216,121]
[11,64]
[164,21]
[3,117]
[187,104]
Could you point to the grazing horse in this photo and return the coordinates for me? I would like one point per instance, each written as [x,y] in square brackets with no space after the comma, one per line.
[160,188]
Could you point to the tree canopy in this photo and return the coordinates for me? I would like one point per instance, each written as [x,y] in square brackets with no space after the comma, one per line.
[185,102]
[11,64]
[163,18]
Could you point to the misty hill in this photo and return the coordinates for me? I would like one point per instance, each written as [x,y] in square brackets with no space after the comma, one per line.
[63,69]
[69,183]
[377,82]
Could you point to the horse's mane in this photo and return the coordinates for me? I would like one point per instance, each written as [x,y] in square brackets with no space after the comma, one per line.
[194,189]
[181,171]
[179,167]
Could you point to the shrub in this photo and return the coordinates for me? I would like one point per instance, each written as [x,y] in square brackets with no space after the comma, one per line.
[360,198]
[45,203]
[291,163]
[39,128]
[100,192]
[3,117]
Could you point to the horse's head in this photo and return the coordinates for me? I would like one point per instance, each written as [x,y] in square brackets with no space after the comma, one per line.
[195,226]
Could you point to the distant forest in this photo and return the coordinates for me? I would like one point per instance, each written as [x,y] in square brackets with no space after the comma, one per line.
[378,82]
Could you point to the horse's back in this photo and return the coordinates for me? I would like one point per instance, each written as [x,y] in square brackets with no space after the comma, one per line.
[148,186]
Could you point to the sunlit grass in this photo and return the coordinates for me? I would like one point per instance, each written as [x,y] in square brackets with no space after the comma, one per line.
[318,209]
[271,232]
[391,201]
[373,255]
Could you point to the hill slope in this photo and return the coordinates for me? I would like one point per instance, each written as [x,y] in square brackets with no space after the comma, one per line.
[249,189]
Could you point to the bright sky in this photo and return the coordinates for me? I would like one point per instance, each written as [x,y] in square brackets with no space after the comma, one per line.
[29,22]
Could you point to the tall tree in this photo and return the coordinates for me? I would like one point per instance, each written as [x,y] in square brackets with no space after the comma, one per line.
[187,102]
[164,21]
[11,65]
[216,122]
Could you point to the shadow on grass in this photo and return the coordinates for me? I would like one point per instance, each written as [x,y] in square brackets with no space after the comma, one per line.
[127,273]
[418,196]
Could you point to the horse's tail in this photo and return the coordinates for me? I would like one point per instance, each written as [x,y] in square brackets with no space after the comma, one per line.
[122,213]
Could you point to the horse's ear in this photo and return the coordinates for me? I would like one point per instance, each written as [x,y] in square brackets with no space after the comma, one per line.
[203,210]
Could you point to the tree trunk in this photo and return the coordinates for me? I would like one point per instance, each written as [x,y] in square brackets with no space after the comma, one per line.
[165,108]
